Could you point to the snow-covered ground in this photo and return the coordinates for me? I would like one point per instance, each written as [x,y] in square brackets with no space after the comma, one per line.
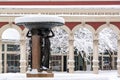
[78,75]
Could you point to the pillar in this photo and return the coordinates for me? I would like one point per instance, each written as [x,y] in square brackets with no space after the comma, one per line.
[95,55]
[118,58]
[62,63]
[5,59]
[0,56]
[23,53]
[36,53]
[71,54]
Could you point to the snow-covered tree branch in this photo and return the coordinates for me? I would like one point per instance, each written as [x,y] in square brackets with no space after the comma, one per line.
[59,43]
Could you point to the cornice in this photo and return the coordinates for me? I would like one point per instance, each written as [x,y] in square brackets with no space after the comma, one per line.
[60,11]
[70,14]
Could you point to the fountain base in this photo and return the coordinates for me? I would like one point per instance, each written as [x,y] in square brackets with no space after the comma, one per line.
[40,75]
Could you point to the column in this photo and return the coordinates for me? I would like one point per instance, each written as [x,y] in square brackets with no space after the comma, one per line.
[118,58]
[0,56]
[113,60]
[62,59]
[95,55]
[23,53]
[36,53]
[71,54]
[5,59]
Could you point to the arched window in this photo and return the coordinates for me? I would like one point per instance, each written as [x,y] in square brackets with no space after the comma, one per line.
[10,50]
[59,46]
[107,49]
[59,43]
[83,49]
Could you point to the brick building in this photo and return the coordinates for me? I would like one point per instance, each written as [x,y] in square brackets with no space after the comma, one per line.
[94,15]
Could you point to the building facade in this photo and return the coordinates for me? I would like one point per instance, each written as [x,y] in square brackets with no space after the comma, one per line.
[93,15]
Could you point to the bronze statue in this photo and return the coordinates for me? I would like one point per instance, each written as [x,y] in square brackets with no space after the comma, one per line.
[46,34]
[30,50]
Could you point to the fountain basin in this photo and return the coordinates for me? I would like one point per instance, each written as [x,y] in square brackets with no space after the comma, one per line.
[39,22]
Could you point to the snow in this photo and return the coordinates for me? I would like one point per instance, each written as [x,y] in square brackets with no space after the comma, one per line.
[84,40]
[11,34]
[59,43]
[34,71]
[38,18]
[78,75]
[107,40]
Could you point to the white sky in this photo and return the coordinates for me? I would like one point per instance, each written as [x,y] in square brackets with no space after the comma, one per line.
[11,33]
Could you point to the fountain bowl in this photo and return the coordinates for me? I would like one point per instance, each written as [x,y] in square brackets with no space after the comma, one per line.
[39,21]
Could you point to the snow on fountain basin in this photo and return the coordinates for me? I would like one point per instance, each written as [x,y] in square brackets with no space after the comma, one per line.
[39,21]
[39,18]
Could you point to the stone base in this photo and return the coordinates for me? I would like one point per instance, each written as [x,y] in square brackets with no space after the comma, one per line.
[40,75]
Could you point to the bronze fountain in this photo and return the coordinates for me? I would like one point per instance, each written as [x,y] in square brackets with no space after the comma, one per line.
[40,30]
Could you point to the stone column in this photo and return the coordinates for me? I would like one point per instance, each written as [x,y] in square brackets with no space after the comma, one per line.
[118,58]
[23,53]
[95,55]
[71,54]
[62,65]
[0,56]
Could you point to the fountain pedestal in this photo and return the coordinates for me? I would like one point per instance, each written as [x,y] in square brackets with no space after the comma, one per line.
[36,57]
[36,52]
[39,26]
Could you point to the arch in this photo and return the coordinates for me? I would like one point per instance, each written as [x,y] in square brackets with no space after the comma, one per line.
[107,49]
[66,29]
[81,49]
[5,27]
[113,27]
[90,28]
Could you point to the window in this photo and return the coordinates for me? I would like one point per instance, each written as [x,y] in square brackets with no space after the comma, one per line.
[13,62]
[56,63]
[11,47]
[3,47]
